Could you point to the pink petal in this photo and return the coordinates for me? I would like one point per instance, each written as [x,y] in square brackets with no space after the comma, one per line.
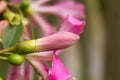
[28,72]
[16,73]
[58,71]
[71,24]
[40,67]
[50,53]
[46,56]
[63,9]
[3,24]
[15,1]
[44,25]
[56,41]
[3,6]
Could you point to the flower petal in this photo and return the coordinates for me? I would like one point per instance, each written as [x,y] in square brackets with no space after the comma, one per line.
[71,24]
[58,71]
[44,25]
[3,24]
[28,72]
[15,1]
[56,41]
[40,67]
[62,9]
[16,73]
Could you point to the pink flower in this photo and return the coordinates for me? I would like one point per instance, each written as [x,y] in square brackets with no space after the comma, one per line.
[69,25]
[57,71]
[3,24]
[61,9]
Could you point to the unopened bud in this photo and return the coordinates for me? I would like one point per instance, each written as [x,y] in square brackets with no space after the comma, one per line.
[12,17]
[53,42]
[15,59]
[24,4]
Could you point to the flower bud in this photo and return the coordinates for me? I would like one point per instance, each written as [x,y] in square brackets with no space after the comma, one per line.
[53,42]
[56,41]
[15,59]
[26,47]
[24,4]
[12,17]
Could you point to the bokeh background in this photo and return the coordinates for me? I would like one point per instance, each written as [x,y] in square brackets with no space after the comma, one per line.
[97,55]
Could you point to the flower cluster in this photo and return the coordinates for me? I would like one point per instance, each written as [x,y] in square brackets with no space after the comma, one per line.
[18,21]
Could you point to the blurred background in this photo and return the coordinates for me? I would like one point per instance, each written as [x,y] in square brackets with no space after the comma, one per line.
[97,55]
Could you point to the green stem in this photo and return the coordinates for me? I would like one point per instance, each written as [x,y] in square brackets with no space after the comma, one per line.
[3,58]
[7,50]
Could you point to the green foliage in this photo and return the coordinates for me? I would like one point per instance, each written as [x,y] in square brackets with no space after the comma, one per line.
[12,35]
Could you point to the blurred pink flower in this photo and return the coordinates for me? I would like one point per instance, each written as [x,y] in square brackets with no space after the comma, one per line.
[61,9]
[15,1]
[3,6]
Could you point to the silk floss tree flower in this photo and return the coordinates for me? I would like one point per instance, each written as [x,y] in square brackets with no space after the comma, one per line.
[53,41]
[57,73]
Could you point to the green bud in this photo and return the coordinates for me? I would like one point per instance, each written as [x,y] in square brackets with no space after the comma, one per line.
[25,47]
[24,4]
[15,59]
[12,17]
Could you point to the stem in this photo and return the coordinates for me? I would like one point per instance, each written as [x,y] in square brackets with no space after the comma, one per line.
[7,50]
[32,31]
[3,58]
